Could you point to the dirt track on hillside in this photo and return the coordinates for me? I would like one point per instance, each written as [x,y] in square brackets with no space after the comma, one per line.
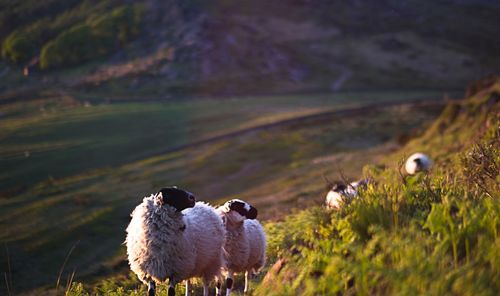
[317,116]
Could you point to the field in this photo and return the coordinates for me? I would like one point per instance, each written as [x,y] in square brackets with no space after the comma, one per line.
[77,170]
[105,101]
[434,233]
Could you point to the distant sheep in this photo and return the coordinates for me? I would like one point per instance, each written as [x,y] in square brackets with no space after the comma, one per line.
[418,162]
[340,192]
[172,237]
[245,241]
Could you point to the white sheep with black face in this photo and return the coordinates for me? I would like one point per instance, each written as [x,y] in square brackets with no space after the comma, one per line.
[340,193]
[245,244]
[172,237]
[418,162]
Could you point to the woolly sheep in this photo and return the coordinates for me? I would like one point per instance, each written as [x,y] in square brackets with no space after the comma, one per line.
[418,162]
[340,192]
[245,244]
[172,237]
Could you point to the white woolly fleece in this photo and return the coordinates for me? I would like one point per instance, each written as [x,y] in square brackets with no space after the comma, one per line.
[411,166]
[334,198]
[245,243]
[163,243]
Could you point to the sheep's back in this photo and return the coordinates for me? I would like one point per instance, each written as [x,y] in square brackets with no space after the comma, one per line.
[237,247]
[136,242]
[206,232]
[333,199]
[257,242]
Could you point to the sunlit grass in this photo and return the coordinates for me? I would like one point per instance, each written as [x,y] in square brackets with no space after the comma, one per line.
[69,138]
[272,168]
[432,234]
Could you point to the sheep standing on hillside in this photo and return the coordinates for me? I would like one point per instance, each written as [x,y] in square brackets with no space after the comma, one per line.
[340,192]
[245,244]
[418,162]
[172,237]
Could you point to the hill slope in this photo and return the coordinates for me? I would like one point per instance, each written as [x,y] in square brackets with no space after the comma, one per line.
[59,193]
[434,234]
[167,48]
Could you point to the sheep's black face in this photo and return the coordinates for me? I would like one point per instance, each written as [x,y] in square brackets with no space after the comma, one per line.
[177,198]
[419,164]
[338,187]
[242,208]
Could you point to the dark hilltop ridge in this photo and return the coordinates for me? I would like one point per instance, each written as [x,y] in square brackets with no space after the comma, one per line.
[167,49]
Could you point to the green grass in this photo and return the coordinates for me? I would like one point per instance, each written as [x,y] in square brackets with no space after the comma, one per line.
[61,137]
[436,234]
[91,203]
[433,234]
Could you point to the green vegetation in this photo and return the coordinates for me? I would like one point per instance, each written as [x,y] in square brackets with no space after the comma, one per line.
[252,48]
[18,47]
[77,184]
[52,138]
[431,234]
[434,234]
[97,37]
[17,14]
[445,218]
[80,146]
[96,28]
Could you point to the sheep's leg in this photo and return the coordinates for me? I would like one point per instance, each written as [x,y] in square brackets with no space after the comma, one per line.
[171,288]
[151,288]
[188,284]
[247,281]
[218,288]
[229,282]
[205,288]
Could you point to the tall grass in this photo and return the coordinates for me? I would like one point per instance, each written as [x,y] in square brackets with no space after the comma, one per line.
[411,239]
[435,234]
[430,234]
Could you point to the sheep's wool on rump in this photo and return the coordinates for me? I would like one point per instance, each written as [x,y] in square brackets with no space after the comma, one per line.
[333,199]
[208,237]
[245,245]
[163,243]
[411,166]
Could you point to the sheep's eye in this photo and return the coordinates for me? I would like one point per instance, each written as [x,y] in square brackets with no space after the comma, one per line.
[238,207]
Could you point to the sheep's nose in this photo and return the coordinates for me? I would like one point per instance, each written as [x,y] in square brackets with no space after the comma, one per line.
[192,199]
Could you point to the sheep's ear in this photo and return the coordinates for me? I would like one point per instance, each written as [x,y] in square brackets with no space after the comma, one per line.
[339,186]
[163,195]
[159,197]
[252,214]
[177,198]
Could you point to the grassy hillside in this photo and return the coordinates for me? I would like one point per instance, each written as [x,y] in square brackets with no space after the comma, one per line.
[167,48]
[434,234]
[104,101]
[63,136]
[77,190]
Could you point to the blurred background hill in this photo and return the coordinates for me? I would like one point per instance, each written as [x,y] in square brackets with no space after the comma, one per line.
[103,102]
[166,48]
